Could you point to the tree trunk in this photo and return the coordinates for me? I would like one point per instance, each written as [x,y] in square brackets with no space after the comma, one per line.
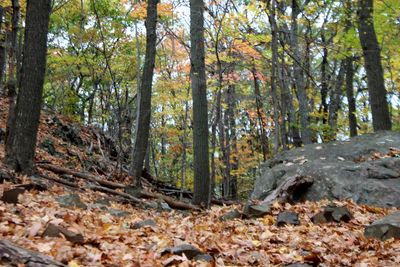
[274,47]
[324,80]
[200,115]
[260,119]
[299,77]
[144,94]
[232,144]
[350,96]
[373,66]
[12,82]
[2,52]
[29,101]
[334,104]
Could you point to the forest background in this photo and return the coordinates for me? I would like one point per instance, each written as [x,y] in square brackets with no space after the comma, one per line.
[280,74]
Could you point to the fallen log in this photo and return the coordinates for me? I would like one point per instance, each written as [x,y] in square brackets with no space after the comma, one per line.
[222,202]
[288,190]
[61,170]
[173,203]
[13,255]
[60,181]
[131,198]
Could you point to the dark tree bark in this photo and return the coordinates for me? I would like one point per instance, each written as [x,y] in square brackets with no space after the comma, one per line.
[299,77]
[2,52]
[29,101]
[234,162]
[334,104]
[144,94]
[350,96]
[324,80]
[274,62]
[373,66]
[200,115]
[260,119]
[12,77]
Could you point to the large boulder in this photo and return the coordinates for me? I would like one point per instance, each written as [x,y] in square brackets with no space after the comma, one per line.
[365,168]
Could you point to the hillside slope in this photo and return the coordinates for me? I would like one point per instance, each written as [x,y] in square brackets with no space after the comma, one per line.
[99,229]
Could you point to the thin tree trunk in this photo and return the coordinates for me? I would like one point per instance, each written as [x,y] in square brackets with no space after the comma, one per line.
[2,52]
[299,77]
[350,96]
[231,143]
[274,47]
[324,80]
[144,94]
[212,156]
[260,119]
[21,156]
[373,66]
[12,82]
[184,148]
[334,104]
[200,115]
[288,98]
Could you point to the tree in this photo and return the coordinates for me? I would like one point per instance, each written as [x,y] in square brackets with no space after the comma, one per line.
[29,100]
[202,188]
[373,66]
[144,94]
[2,50]
[12,74]
[299,76]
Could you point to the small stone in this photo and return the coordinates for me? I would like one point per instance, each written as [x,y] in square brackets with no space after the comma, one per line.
[53,230]
[287,218]
[234,214]
[189,251]
[204,257]
[72,200]
[118,213]
[339,214]
[299,265]
[319,218]
[144,223]
[133,191]
[48,145]
[332,213]
[385,228]
[11,196]
[257,210]
[163,206]
[103,201]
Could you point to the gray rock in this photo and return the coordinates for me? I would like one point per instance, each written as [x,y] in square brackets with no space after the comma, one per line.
[72,200]
[332,214]
[48,145]
[256,210]
[385,228]
[287,217]
[299,265]
[144,223]
[189,250]
[53,230]
[103,201]
[341,170]
[204,257]
[234,214]
[118,213]
[163,206]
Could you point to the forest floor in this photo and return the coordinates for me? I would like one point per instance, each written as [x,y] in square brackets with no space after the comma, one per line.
[111,239]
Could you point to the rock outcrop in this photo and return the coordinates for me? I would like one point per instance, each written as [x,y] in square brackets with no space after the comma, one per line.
[365,169]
